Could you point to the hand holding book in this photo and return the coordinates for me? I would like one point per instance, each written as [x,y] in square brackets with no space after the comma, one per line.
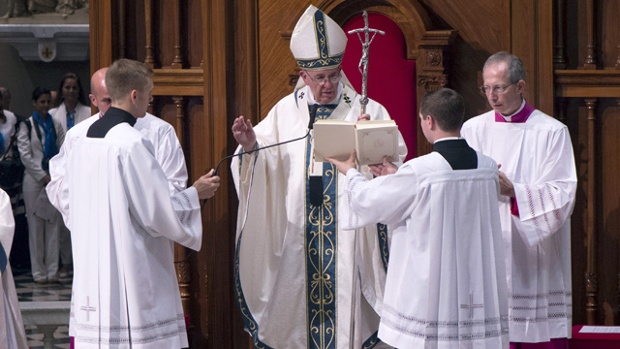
[345,165]
[371,139]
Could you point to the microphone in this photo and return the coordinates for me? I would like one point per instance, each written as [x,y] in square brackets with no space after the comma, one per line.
[313,109]
[315,182]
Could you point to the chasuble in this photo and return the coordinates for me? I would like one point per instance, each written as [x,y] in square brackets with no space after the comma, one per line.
[301,281]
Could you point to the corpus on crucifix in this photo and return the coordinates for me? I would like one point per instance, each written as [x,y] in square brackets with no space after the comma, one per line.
[369,36]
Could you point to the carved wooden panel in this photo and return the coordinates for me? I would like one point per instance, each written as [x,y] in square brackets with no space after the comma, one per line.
[590,80]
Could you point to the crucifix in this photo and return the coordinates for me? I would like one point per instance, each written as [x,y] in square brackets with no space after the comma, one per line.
[363,64]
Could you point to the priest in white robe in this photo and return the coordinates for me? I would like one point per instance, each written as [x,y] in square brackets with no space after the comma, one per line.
[168,151]
[539,181]
[301,281]
[122,219]
[12,332]
[446,285]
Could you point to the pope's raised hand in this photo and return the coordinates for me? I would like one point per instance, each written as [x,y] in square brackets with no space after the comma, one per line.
[244,133]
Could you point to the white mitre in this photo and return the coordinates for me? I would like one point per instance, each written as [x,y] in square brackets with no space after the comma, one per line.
[317,42]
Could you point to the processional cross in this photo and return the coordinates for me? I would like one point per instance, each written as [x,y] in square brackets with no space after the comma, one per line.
[363,64]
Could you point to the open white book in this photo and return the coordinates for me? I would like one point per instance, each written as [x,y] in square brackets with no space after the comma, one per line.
[372,139]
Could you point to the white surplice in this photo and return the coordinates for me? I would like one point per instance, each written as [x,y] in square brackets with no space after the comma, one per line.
[446,285]
[12,333]
[293,294]
[122,219]
[537,156]
[168,153]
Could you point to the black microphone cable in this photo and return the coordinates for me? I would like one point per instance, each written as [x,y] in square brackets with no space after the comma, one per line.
[313,109]
[257,149]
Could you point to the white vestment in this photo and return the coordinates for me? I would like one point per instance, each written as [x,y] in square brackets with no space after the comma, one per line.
[446,283]
[300,281]
[11,325]
[122,219]
[168,153]
[537,156]
[82,113]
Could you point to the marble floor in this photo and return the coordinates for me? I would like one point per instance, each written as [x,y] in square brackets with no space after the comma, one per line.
[27,290]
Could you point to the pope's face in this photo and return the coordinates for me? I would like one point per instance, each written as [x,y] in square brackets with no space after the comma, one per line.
[323,83]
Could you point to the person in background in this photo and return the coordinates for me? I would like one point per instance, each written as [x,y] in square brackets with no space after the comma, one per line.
[38,141]
[538,182]
[72,109]
[8,126]
[21,256]
[72,105]
[11,325]
[7,122]
[303,280]
[6,97]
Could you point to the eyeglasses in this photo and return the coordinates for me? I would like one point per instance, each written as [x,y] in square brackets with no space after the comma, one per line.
[322,79]
[495,89]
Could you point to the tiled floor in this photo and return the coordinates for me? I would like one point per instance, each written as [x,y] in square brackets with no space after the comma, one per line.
[35,339]
[27,290]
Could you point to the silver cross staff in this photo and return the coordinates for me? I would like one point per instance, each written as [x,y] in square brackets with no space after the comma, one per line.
[363,65]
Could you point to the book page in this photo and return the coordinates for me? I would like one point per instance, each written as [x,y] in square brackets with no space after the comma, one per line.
[334,139]
[375,143]
[374,123]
